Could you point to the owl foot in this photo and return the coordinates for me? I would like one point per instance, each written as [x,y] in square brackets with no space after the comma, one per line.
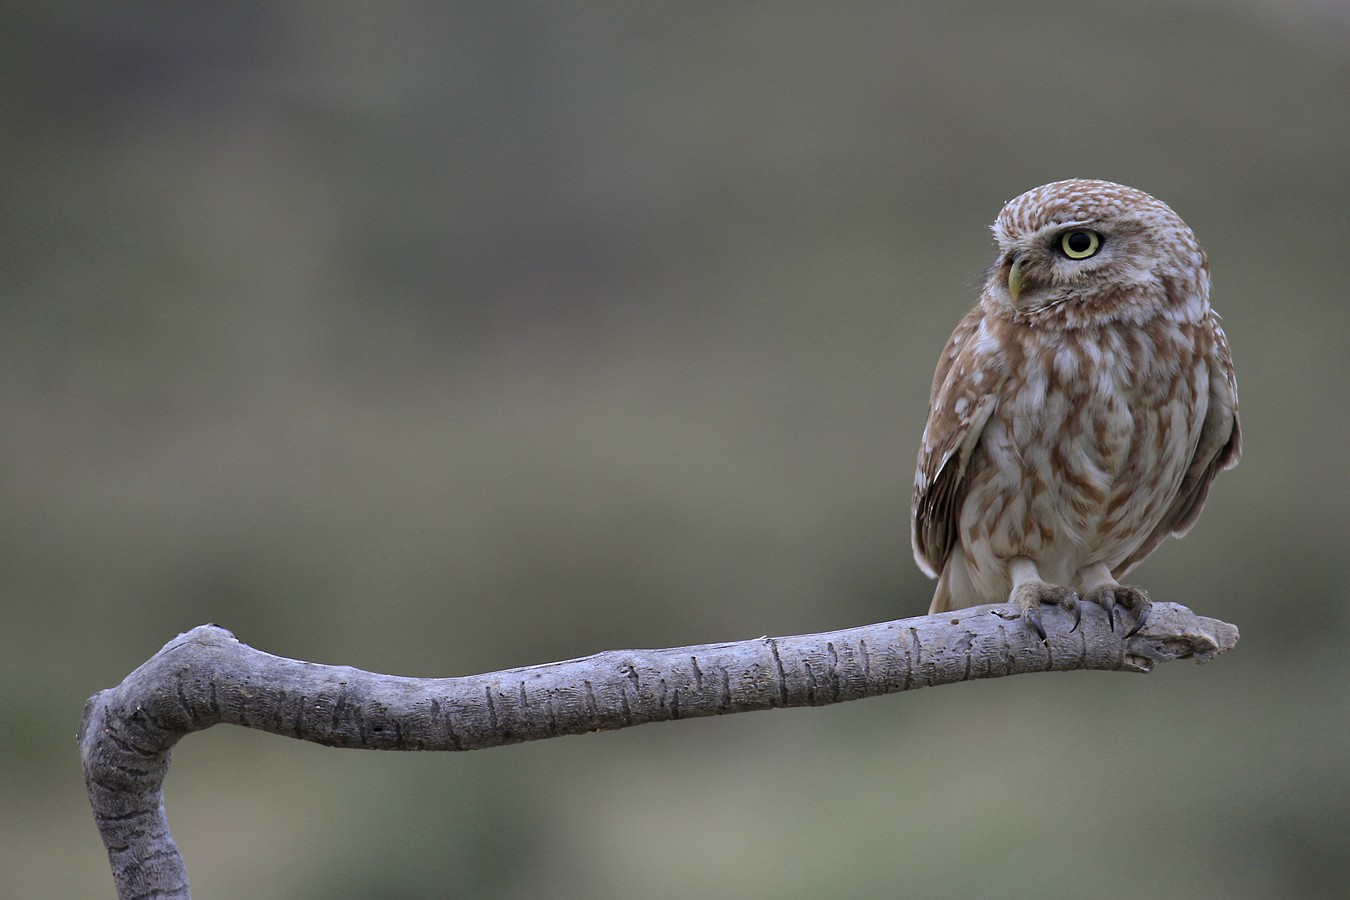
[1132,598]
[1029,595]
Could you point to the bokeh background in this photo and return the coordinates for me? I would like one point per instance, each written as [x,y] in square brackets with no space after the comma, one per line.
[436,339]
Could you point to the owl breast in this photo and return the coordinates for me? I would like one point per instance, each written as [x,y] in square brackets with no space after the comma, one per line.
[1085,450]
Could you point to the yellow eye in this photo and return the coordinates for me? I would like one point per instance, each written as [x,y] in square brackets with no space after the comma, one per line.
[1080,244]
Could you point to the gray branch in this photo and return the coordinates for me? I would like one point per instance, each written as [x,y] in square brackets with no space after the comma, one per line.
[206,677]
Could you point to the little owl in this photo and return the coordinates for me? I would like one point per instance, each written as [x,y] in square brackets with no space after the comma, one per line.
[1080,411]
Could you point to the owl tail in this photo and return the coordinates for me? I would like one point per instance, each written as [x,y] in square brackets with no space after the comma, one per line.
[955,588]
[942,597]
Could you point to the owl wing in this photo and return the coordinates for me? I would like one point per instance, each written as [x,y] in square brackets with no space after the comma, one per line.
[965,386]
[1219,448]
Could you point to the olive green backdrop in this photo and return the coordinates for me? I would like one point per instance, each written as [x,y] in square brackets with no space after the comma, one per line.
[440,339]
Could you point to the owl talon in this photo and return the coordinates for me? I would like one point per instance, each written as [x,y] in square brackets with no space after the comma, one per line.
[1029,596]
[1107,598]
[1134,599]
[1033,618]
[1141,616]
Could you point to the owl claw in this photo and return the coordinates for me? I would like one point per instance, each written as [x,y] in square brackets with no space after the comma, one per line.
[1132,598]
[1107,598]
[1033,618]
[1029,596]
[1141,616]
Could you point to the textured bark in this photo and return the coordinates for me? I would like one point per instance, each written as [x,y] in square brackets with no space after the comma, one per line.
[206,677]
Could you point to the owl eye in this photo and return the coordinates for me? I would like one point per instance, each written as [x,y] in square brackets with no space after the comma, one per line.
[1080,244]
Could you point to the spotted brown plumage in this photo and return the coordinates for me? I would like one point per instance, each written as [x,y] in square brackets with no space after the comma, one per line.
[1080,412]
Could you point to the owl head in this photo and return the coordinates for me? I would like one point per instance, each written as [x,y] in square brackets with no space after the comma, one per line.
[1080,253]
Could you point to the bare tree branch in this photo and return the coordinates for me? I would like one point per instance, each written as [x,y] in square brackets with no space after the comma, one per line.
[206,677]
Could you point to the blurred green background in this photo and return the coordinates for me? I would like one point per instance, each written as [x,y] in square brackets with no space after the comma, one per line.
[439,339]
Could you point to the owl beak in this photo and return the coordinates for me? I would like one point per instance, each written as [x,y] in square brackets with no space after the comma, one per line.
[1015,280]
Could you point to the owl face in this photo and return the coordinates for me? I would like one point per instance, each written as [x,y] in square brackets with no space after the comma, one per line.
[1079,253]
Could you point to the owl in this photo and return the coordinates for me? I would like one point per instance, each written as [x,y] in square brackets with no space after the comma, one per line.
[1081,410]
